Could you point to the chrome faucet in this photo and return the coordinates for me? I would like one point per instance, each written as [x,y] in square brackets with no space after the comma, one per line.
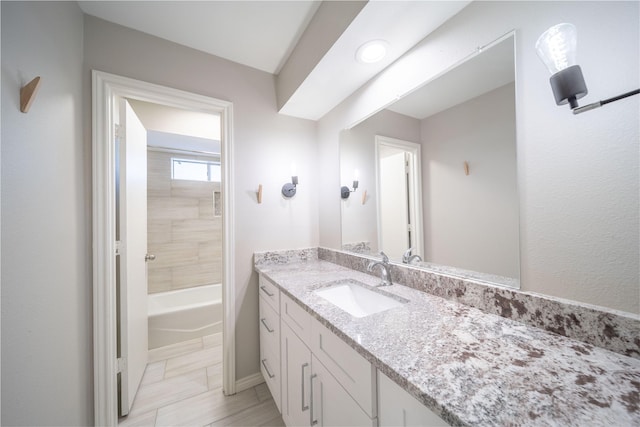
[384,269]
[407,258]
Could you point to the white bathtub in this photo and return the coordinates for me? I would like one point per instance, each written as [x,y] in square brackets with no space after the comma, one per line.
[181,315]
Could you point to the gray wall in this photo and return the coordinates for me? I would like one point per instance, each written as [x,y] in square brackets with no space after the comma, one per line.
[578,175]
[47,368]
[471,222]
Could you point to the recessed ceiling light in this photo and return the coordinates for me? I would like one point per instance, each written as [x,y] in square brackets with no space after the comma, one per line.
[372,51]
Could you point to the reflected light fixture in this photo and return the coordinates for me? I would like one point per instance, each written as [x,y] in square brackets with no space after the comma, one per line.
[289,188]
[556,47]
[345,191]
[372,51]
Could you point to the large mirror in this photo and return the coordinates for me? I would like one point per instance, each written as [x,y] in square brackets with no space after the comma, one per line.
[436,172]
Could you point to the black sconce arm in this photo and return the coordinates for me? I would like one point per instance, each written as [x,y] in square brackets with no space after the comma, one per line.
[599,104]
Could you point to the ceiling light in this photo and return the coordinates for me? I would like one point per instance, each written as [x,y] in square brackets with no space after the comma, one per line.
[372,51]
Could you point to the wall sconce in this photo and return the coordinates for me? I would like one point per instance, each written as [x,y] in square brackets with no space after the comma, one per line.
[289,188]
[556,47]
[345,191]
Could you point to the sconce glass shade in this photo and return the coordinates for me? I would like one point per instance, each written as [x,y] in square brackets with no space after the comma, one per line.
[556,47]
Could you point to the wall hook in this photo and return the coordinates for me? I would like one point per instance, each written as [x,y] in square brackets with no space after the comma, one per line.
[466,168]
[259,193]
[28,93]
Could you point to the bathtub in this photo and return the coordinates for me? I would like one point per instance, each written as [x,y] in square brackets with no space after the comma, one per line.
[181,315]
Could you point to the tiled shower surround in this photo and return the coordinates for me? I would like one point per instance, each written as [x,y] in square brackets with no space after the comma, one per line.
[609,329]
[184,232]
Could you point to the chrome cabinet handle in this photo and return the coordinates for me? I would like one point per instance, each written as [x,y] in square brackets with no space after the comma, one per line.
[265,325]
[266,291]
[149,257]
[311,420]
[267,369]
[304,407]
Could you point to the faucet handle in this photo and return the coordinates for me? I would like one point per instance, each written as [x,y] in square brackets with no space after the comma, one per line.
[385,258]
[407,254]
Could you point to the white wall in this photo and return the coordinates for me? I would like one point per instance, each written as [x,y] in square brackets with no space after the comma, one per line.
[578,175]
[47,344]
[265,144]
[471,221]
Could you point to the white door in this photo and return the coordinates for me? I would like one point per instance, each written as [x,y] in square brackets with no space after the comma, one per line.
[394,203]
[399,185]
[132,201]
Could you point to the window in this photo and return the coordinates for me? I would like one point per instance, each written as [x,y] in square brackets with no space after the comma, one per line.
[195,170]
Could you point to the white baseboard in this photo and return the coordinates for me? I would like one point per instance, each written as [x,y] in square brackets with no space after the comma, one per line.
[249,381]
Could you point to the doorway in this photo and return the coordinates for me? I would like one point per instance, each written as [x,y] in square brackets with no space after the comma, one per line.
[399,189]
[107,89]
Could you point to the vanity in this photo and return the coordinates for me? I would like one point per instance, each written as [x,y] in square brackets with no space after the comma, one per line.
[422,360]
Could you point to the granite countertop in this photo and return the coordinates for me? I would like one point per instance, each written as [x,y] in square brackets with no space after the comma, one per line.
[470,367]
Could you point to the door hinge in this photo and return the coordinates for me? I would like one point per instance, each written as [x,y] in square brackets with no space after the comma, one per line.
[121,365]
[118,247]
[118,131]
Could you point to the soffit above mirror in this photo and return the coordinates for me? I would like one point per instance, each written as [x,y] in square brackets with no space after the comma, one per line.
[402,24]
[269,36]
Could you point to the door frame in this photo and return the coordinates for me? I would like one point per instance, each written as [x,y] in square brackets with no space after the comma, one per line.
[415,192]
[105,87]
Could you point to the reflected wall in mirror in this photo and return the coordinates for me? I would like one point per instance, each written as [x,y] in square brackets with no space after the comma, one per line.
[464,219]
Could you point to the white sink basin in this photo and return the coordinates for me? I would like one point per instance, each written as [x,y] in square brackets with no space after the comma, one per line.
[357,300]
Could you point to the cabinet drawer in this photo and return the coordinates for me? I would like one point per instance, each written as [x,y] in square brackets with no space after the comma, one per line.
[269,326]
[270,368]
[296,317]
[270,292]
[352,371]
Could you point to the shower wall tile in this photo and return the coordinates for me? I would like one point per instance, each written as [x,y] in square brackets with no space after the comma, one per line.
[193,189]
[158,181]
[158,231]
[183,232]
[194,275]
[205,206]
[174,254]
[159,279]
[172,208]
[193,230]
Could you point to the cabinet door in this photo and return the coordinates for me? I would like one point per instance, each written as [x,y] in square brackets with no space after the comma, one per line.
[331,404]
[296,371]
[270,349]
[396,407]
[354,373]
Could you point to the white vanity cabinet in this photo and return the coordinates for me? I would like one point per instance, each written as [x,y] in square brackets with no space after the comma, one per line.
[312,393]
[396,407]
[316,378]
[269,318]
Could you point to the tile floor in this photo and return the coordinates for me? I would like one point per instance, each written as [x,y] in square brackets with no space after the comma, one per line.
[182,386]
